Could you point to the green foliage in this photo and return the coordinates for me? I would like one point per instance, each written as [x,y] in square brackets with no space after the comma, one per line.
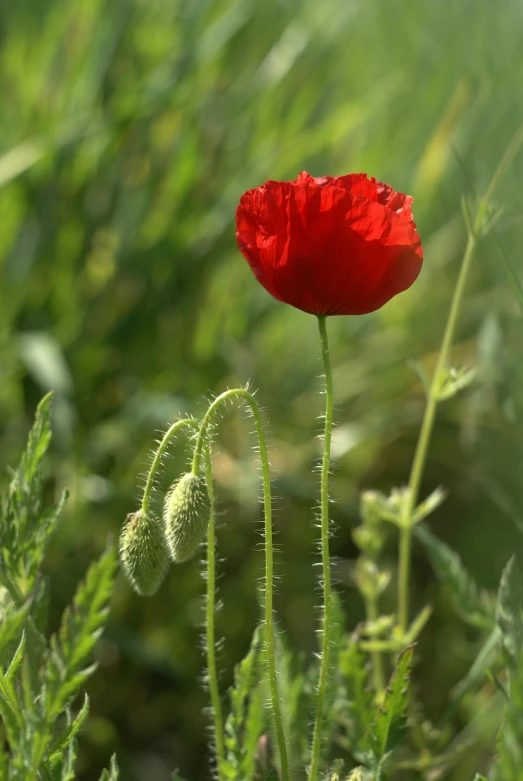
[24,527]
[112,774]
[246,721]
[473,605]
[296,686]
[509,612]
[337,643]
[486,656]
[40,680]
[355,711]
[509,766]
[452,381]
[390,720]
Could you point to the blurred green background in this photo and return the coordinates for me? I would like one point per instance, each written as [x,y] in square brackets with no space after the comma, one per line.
[129,129]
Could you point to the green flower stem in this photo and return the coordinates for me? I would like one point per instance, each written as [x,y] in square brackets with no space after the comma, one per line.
[269,566]
[325,558]
[378,671]
[420,456]
[209,624]
[157,460]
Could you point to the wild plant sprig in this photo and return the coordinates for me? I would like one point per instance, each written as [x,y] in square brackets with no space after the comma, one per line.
[42,679]
[476,228]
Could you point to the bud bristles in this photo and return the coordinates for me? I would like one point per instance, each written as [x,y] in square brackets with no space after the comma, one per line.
[143,552]
[186,516]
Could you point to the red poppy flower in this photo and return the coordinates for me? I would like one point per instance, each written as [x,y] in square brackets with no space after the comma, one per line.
[330,246]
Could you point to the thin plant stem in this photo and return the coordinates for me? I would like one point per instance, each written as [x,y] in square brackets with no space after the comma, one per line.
[157,460]
[209,624]
[378,671]
[325,557]
[420,455]
[269,563]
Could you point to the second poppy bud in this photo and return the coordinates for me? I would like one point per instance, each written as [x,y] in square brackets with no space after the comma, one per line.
[186,515]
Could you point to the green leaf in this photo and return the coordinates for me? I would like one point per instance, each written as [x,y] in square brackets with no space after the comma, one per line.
[336,645]
[66,665]
[390,718]
[16,661]
[418,625]
[24,529]
[40,682]
[356,696]
[509,612]
[64,768]
[112,774]
[429,505]
[40,536]
[488,653]
[451,381]
[79,630]
[246,721]
[12,628]
[510,744]
[38,441]
[73,727]
[11,713]
[471,603]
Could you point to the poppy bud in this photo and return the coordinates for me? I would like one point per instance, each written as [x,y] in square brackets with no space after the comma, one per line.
[186,515]
[143,552]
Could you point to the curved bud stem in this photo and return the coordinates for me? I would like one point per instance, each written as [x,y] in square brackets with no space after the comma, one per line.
[157,460]
[243,394]
[211,579]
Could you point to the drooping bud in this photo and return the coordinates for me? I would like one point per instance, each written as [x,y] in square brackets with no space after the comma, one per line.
[186,515]
[143,552]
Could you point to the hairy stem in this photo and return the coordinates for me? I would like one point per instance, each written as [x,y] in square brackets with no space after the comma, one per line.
[157,460]
[269,565]
[325,558]
[209,624]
